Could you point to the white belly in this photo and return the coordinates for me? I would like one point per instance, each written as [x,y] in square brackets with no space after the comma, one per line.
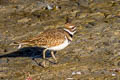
[61,46]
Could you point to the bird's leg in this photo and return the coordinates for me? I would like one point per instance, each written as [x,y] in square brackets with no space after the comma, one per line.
[44,52]
[53,56]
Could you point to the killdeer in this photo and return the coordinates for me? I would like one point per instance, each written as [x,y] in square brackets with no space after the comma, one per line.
[53,39]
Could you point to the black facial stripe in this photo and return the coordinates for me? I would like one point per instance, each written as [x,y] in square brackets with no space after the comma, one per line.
[69,33]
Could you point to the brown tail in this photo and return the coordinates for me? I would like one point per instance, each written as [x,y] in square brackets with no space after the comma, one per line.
[19,44]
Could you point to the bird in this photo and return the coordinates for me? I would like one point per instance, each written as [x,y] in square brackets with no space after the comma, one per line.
[53,39]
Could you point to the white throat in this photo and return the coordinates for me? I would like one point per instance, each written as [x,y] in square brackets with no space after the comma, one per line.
[69,31]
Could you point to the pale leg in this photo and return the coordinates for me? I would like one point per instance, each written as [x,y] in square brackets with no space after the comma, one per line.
[44,52]
[53,56]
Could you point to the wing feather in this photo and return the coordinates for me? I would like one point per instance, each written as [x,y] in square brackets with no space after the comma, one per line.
[48,38]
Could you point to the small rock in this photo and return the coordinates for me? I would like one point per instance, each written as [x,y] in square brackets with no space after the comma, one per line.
[24,20]
[49,7]
[69,79]
[74,73]
[113,74]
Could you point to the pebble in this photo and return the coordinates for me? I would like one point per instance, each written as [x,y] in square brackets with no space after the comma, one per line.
[113,74]
[74,73]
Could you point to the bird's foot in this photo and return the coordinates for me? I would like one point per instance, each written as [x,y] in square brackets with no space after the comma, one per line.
[55,62]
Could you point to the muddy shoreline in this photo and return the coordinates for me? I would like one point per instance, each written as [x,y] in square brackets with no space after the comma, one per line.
[94,53]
